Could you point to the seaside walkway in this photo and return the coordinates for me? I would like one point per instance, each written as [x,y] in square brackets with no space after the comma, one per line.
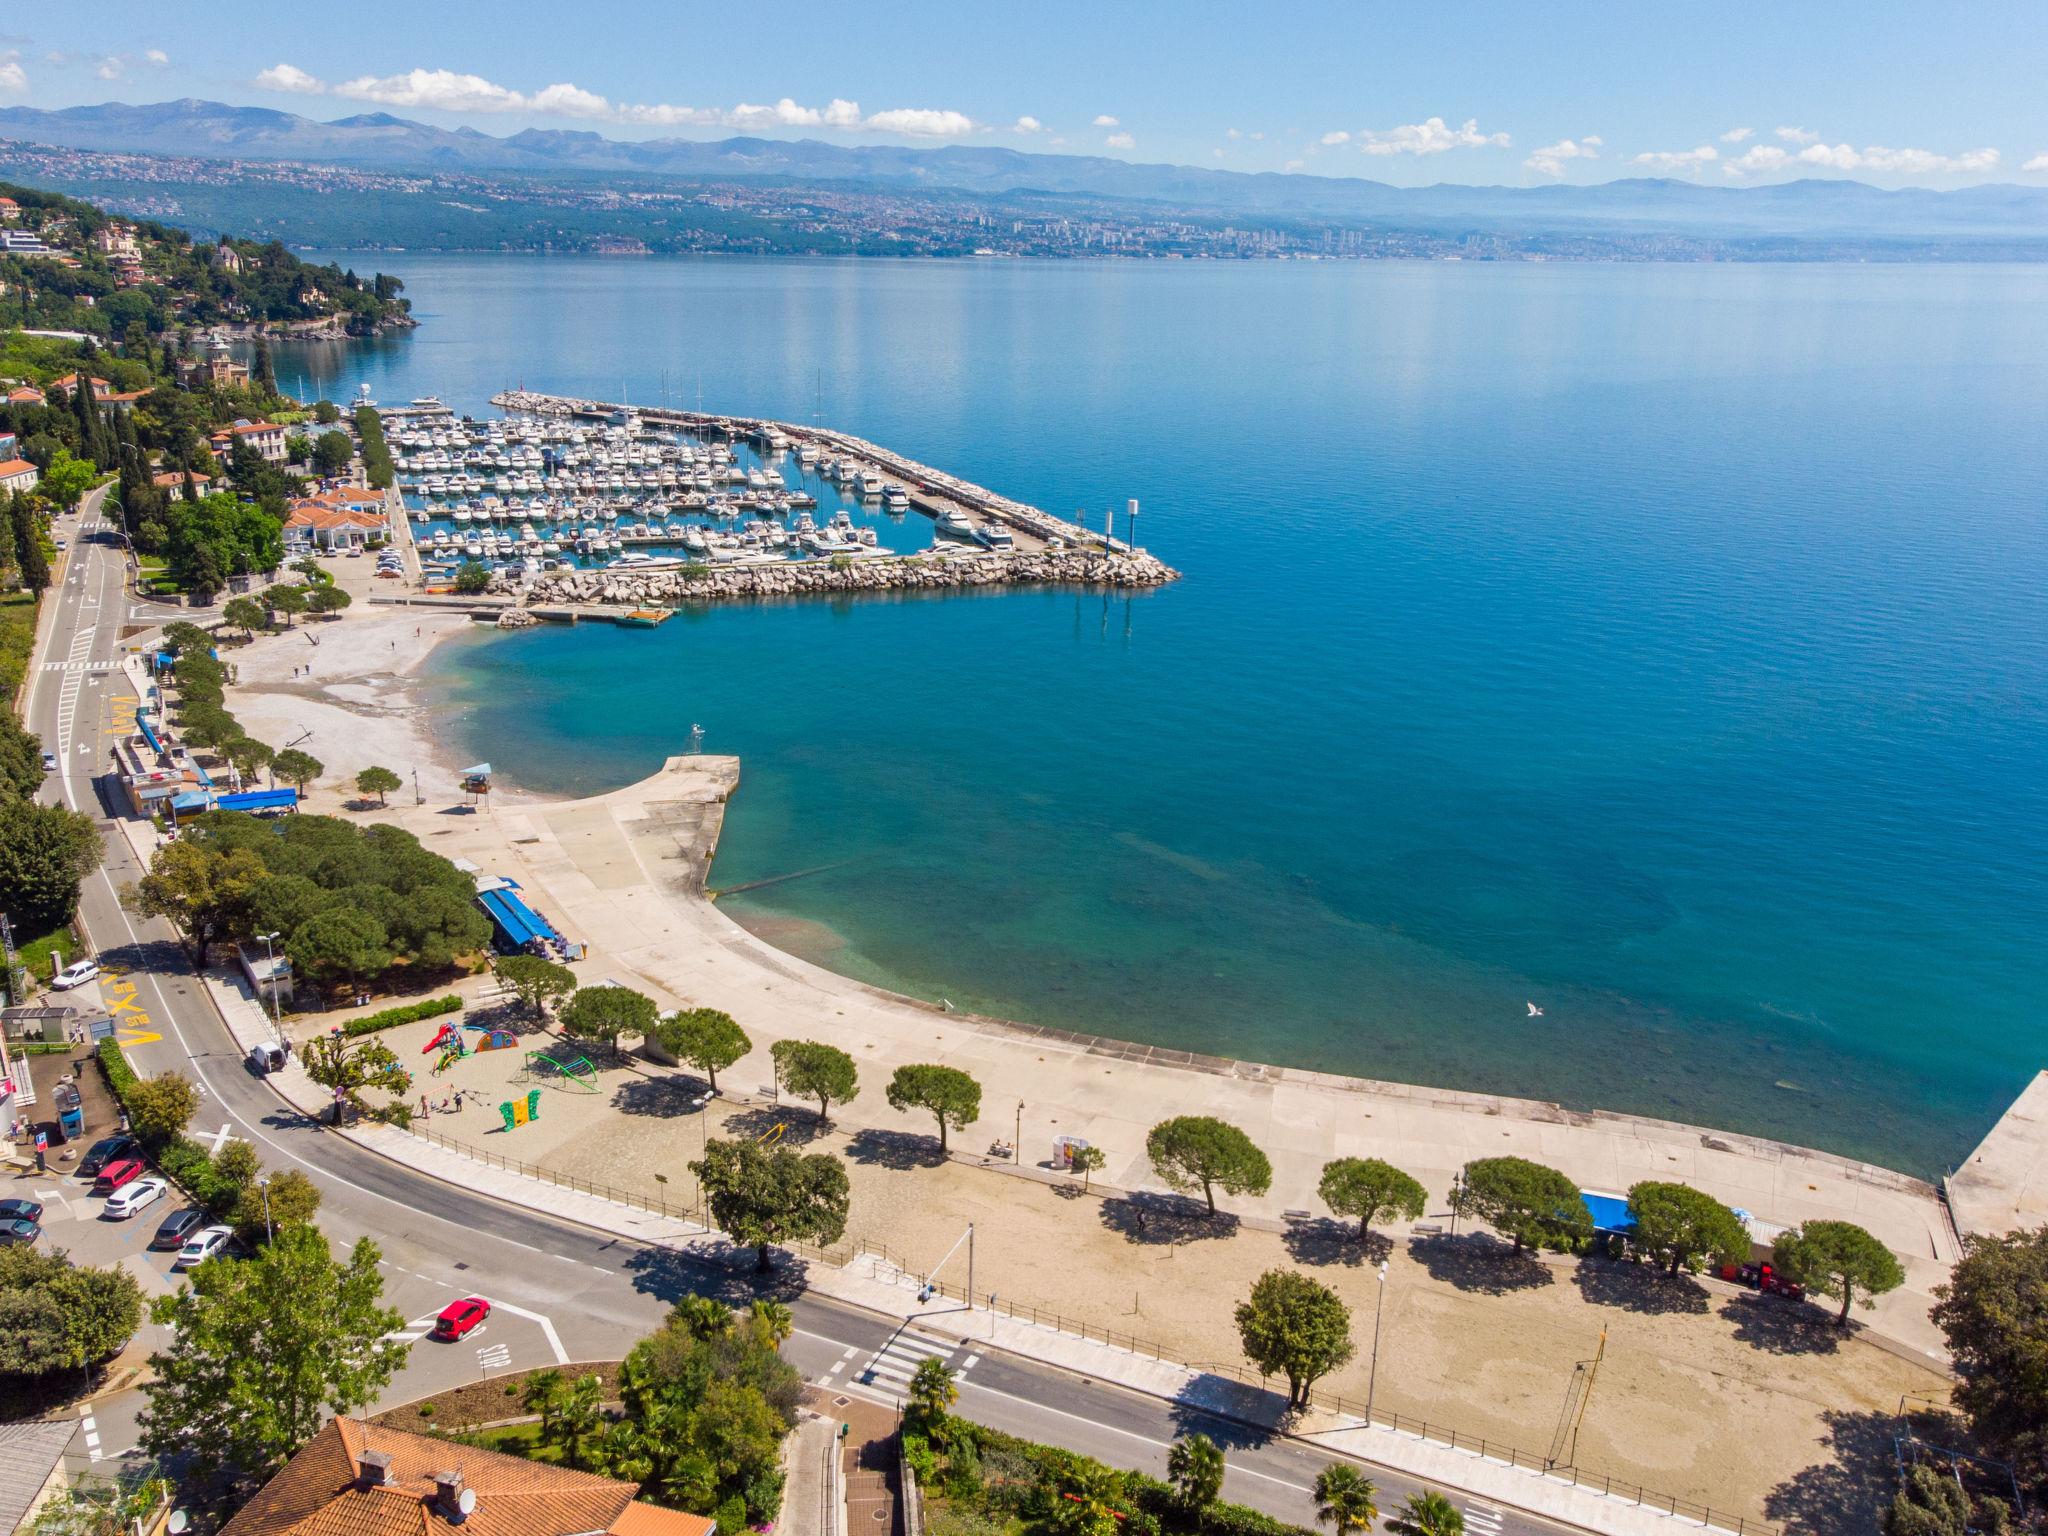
[2003,1187]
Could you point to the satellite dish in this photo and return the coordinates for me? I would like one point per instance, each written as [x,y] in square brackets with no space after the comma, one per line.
[178,1521]
[466,1500]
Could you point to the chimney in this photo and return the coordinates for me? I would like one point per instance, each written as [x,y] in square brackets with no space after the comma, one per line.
[373,1469]
[449,1496]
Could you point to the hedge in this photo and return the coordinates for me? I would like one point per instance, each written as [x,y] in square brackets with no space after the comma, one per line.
[120,1076]
[411,1013]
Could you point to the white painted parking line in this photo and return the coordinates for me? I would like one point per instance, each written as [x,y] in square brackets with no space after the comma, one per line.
[547,1327]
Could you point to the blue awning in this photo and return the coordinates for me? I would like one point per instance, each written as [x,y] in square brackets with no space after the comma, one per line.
[1609,1212]
[518,922]
[166,659]
[148,735]
[190,800]
[259,800]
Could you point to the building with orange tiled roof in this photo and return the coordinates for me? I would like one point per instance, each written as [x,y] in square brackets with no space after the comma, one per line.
[19,475]
[333,521]
[174,480]
[355,1479]
[267,438]
[25,394]
[100,387]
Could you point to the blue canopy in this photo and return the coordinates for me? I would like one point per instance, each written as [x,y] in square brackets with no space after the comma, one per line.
[518,922]
[1609,1212]
[148,735]
[166,659]
[259,800]
[190,800]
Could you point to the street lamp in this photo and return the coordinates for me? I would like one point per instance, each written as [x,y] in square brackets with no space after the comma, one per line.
[263,1183]
[1372,1379]
[1017,1146]
[1457,1188]
[270,981]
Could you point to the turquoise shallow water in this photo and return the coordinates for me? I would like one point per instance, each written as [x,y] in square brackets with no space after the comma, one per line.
[1664,645]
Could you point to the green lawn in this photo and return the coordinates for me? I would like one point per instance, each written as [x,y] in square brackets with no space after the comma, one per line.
[36,953]
[17,638]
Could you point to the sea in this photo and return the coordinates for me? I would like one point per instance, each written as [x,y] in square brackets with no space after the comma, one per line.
[1622,685]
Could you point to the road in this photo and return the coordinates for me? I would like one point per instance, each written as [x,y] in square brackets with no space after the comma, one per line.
[560,1292]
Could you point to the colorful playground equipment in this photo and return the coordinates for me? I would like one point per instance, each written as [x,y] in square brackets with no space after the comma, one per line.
[493,1039]
[574,1071]
[521,1111]
[773,1134]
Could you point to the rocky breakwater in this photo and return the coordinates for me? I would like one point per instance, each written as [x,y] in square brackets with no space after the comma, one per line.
[914,573]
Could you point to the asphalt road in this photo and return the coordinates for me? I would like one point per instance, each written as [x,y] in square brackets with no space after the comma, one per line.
[560,1292]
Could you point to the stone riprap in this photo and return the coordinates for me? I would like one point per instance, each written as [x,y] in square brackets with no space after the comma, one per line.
[876,574]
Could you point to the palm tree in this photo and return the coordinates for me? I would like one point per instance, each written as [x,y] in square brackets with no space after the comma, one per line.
[1195,1468]
[931,1390]
[1428,1513]
[776,1320]
[1344,1499]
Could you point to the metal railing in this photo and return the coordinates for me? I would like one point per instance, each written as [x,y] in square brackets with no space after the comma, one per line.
[840,1255]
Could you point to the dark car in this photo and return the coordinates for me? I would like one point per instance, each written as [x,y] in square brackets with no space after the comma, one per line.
[23,1232]
[178,1226]
[108,1149]
[20,1210]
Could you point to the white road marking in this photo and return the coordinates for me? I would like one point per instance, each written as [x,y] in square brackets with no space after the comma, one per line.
[547,1327]
[491,1356]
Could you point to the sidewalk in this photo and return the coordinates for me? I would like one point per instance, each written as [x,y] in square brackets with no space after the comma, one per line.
[872,1283]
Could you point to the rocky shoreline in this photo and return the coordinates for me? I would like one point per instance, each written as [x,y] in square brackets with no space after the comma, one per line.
[913,573]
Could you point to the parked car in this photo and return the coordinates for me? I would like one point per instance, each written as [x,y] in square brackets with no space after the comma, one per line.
[76,974]
[108,1149]
[49,762]
[130,1198]
[125,1170]
[459,1317]
[18,1232]
[178,1227]
[268,1056]
[20,1210]
[203,1245]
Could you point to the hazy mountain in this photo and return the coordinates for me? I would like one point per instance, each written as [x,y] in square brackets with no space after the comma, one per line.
[380,140]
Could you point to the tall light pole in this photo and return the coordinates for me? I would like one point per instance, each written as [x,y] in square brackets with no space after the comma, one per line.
[269,1233]
[1457,1188]
[1372,1379]
[1017,1146]
[270,981]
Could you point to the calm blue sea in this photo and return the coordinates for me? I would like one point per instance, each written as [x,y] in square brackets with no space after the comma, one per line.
[1666,646]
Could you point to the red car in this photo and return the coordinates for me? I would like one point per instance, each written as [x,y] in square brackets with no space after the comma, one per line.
[459,1317]
[115,1174]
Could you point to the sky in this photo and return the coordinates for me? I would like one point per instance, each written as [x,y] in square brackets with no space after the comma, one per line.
[1491,92]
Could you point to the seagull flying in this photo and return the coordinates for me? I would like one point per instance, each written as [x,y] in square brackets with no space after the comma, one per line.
[1535,1012]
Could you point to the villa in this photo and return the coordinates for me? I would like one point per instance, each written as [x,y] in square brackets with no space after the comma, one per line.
[341,518]
[19,475]
[267,438]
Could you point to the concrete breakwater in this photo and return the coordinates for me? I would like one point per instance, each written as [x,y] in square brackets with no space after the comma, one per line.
[875,574]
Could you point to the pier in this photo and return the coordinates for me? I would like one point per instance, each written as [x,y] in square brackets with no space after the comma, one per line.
[931,491]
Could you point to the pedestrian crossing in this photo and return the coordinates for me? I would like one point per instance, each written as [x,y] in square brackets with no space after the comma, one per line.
[415,1330]
[86,665]
[891,1367]
[1482,1519]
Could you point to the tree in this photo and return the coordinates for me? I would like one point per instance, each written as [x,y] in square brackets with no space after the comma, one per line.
[1994,1313]
[377,781]
[535,981]
[290,1200]
[65,479]
[1428,1513]
[761,1196]
[1838,1258]
[56,1317]
[931,1392]
[1690,1225]
[249,756]
[1523,1200]
[1194,1465]
[298,448]
[201,891]
[704,1038]
[245,614]
[339,942]
[605,1013]
[285,599]
[1345,1499]
[1198,1152]
[297,768]
[1370,1190]
[347,1067]
[325,412]
[264,1349]
[328,599]
[1088,1161]
[160,1107]
[1294,1327]
[331,453]
[775,1321]
[1933,1503]
[45,854]
[471,577]
[93,1506]
[949,1095]
[811,1070]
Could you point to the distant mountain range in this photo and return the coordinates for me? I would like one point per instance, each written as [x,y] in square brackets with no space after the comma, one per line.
[1830,208]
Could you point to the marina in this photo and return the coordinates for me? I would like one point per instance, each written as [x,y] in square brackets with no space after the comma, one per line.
[561,488]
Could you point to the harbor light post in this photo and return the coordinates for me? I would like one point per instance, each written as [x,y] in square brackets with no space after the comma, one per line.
[1372,1379]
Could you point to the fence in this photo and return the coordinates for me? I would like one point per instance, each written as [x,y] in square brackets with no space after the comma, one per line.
[840,1255]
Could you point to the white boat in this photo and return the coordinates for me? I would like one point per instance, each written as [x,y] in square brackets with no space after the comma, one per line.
[955,523]
[895,499]
[996,536]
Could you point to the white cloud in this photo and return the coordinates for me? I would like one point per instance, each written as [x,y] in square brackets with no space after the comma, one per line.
[1233,133]
[443,90]
[1028,124]
[1293,165]
[13,78]
[290,78]
[1758,160]
[1106,121]
[1336,136]
[1430,138]
[111,67]
[157,57]
[1120,141]
[2038,163]
[1737,135]
[1549,160]
[1900,162]
[1679,159]
[1798,136]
